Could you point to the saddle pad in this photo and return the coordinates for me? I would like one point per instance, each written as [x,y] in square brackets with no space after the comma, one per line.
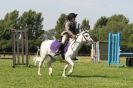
[55,46]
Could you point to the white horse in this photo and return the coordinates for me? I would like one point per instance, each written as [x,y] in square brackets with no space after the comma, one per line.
[71,53]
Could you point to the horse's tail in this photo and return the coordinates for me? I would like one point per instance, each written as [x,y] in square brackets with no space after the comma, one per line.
[41,48]
[38,50]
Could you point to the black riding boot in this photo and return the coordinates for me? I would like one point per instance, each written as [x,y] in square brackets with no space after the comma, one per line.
[61,50]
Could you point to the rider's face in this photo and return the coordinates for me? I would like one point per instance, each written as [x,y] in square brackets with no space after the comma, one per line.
[73,19]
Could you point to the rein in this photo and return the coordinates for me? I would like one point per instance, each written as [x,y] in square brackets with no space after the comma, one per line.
[74,43]
[75,40]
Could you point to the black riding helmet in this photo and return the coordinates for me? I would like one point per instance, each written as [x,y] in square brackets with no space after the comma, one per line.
[71,15]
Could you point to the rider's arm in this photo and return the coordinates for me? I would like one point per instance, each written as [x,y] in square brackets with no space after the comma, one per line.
[67,28]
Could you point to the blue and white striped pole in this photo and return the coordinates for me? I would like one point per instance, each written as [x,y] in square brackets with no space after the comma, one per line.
[118,45]
[109,49]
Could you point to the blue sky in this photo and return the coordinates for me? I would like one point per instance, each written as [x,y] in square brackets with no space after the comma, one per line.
[51,9]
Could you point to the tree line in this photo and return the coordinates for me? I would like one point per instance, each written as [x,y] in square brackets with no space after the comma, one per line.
[115,23]
[32,21]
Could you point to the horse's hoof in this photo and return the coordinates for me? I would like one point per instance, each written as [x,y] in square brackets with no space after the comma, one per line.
[69,73]
[64,76]
[39,74]
[50,74]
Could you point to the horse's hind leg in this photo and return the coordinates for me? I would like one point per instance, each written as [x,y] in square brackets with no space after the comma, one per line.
[51,60]
[40,63]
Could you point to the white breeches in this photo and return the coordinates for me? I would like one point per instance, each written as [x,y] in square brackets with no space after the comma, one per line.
[64,38]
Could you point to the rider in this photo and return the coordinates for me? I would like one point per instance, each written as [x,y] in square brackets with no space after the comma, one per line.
[69,32]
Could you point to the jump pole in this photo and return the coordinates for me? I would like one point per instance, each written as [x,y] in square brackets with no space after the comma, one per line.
[114,49]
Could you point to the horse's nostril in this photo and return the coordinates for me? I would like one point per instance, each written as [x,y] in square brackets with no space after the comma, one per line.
[92,41]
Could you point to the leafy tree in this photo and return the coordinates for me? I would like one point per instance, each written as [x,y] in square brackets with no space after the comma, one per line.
[51,33]
[10,21]
[29,20]
[5,45]
[131,38]
[115,27]
[127,31]
[85,25]
[101,22]
[33,22]
[60,25]
[115,23]
[118,18]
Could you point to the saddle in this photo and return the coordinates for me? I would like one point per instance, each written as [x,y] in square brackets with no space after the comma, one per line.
[54,47]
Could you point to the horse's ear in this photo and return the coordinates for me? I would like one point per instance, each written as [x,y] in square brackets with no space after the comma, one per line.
[84,30]
[81,30]
[87,30]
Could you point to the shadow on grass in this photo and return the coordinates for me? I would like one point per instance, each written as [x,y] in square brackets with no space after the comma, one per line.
[85,76]
[121,66]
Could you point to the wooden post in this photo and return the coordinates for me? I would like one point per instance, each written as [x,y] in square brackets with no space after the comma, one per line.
[13,48]
[17,41]
[20,47]
[26,47]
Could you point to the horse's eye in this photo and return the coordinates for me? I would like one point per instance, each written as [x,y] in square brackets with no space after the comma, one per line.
[86,35]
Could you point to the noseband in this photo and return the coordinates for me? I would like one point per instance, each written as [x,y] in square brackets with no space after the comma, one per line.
[87,41]
[85,37]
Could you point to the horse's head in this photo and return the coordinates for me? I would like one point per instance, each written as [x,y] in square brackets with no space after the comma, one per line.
[86,37]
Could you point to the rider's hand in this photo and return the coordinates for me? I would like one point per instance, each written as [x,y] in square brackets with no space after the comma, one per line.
[74,36]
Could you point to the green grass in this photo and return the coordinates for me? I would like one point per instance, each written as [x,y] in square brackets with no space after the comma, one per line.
[85,75]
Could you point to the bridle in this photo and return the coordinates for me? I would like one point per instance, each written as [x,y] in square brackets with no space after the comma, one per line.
[85,37]
[79,42]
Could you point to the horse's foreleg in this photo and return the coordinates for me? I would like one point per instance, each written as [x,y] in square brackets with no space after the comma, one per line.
[64,71]
[71,65]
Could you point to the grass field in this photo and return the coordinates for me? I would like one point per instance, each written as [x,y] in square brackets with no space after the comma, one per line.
[86,75]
